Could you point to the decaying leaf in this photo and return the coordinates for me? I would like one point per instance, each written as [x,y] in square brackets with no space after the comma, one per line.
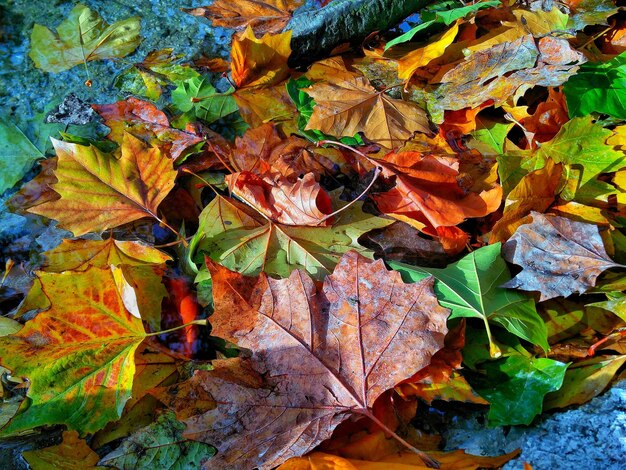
[345,108]
[263,16]
[78,355]
[99,191]
[362,346]
[82,37]
[159,445]
[558,256]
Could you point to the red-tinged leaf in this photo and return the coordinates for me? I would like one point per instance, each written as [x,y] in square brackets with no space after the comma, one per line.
[300,203]
[99,191]
[324,355]
[427,190]
[144,120]
[78,355]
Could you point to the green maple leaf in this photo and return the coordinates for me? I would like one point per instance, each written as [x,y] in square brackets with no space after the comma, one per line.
[470,288]
[242,240]
[82,37]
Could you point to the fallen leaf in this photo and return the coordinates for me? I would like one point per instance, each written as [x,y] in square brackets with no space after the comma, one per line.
[347,107]
[262,150]
[455,460]
[119,191]
[583,381]
[242,240]
[72,454]
[78,355]
[409,63]
[581,143]
[159,445]
[149,77]
[18,154]
[199,95]
[548,118]
[263,16]
[259,106]
[81,254]
[144,120]
[558,256]
[303,203]
[516,387]
[360,348]
[471,288]
[260,62]
[537,191]
[427,189]
[82,36]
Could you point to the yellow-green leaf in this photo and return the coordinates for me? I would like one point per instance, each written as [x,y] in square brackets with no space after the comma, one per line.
[82,37]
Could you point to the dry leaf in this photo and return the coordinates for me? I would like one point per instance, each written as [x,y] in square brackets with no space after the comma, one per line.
[260,62]
[263,16]
[302,203]
[325,355]
[345,108]
[558,256]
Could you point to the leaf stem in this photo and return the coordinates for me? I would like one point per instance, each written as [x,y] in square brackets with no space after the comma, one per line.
[195,322]
[178,235]
[429,461]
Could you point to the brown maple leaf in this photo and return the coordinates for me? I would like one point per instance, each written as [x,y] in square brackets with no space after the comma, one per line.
[302,202]
[324,355]
[347,107]
[558,256]
[263,16]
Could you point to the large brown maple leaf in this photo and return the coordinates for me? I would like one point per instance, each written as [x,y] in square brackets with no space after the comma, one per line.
[324,355]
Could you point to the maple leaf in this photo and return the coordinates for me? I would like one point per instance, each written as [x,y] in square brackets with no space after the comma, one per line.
[581,143]
[300,203]
[347,107]
[363,333]
[82,37]
[504,72]
[558,256]
[73,452]
[78,355]
[260,62]
[144,120]
[471,287]
[427,189]
[262,150]
[263,16]
[99,191]
[241,239]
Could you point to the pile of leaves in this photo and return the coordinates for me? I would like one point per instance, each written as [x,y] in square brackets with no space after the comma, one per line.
[277,267]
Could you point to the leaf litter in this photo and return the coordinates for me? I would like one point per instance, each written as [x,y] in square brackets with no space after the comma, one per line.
[278,274]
